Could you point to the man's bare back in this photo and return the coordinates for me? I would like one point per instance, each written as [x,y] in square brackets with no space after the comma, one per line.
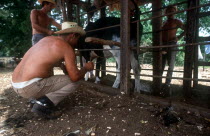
[38,62]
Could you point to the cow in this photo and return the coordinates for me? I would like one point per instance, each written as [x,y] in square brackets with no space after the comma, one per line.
[113,34]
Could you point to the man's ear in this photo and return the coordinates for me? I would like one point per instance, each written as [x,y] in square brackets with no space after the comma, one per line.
[70,36]
[73,35]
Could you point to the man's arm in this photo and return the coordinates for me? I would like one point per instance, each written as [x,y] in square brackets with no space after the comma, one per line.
[35,25]
[74,73]
[182,26]
[56,24]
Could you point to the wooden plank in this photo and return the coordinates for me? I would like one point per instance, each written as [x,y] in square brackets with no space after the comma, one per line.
[203,63]
[178,106]
[156,38]
[102,90]
[204,14]
[201,39]
[125,51]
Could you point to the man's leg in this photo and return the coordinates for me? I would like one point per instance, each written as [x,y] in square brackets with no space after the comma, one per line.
[171,62]
[53,90]
[164,56]
[56,88]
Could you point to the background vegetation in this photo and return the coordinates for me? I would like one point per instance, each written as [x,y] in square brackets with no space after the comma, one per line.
[15,25]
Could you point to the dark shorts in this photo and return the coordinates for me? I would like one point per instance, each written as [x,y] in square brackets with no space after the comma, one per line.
[37,37]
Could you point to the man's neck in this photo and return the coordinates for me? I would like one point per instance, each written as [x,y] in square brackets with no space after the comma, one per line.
[44,10]
[66,40]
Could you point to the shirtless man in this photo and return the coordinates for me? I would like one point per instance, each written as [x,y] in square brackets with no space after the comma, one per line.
[169,38]
[32,77]
[40,21]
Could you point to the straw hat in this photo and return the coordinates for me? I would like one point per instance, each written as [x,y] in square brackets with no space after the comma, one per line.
[51,1]
[71,27]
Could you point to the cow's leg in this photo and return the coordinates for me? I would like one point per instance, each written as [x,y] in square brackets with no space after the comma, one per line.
[98,66]
[116,55]
[117,80]
[99,62]
[136,70]
[87,74]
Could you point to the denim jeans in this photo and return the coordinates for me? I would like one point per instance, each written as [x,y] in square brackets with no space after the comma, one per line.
[170,57]
[37,37]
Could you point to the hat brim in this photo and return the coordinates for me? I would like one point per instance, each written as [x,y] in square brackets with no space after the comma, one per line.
[76,29]
[53,2]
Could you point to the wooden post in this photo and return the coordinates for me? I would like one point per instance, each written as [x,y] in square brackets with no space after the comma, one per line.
[196,71]
[125,51]
[78,15]
[79,23]
[189,51]
[69,10]
[103,10]
[88,14]
[156,39]
[103,60]
[63,6]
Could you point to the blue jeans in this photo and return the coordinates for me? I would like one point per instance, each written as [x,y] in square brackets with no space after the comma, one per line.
[170,57]
[37,37]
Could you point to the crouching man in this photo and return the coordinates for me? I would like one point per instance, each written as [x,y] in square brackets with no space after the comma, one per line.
[32,77]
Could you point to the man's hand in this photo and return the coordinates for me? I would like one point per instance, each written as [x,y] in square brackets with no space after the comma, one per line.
[89,66]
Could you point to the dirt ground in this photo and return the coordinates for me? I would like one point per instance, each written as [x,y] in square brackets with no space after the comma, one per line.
[105,115]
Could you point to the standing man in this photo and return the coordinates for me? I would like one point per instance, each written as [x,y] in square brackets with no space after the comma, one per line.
[32,77]
[40,21]
[169,38]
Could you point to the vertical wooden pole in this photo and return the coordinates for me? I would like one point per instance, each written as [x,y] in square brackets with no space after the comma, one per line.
[88,14]
[69,10]
[63,2]
[195,83]
[189,50]
[78,15]
[103,60]
[157,40]
[125,51]
[79,23]
[103,10]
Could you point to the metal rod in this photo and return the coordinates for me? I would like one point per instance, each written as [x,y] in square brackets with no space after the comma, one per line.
[103,28]
[170,46]
[155,47]
[147,69]
[180,11]
[97,49]
[164,7]
[178,78]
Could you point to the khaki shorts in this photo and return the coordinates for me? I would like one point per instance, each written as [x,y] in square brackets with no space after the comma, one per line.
[56,88]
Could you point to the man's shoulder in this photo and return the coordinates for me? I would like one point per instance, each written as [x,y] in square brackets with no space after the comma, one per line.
[34,11]
[57,41]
